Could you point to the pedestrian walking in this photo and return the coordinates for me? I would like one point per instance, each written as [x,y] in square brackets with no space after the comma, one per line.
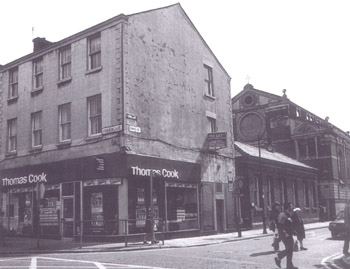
[286,232]
[273,217]
[347,228]
[298,225]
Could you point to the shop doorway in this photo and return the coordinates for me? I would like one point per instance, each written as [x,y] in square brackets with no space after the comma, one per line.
[220,215]
[68,217]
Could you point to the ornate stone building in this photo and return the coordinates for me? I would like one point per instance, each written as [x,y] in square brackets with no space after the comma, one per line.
[299,134]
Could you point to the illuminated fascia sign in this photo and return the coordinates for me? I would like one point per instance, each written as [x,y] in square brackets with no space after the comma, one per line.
[25,179]
[137,171]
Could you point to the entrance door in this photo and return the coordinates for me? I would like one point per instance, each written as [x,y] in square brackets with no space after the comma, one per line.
[220,215]
[68,217]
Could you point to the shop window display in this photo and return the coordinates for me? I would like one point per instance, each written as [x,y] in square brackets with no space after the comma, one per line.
[19,212]
[182,207]
[101,210]
[140,206]
[49,211]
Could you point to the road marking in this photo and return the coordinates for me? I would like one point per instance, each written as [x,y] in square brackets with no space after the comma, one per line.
[33,263]
[99,265]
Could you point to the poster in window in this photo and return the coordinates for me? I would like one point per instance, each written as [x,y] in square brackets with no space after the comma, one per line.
[141,216]
[97,211]
[140,196]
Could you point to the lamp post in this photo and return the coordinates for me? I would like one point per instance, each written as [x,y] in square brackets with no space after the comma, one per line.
[152,174]
[261,195]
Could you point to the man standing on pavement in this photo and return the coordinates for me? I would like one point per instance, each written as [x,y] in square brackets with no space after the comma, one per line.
[347,227]
[286,232]
[276,210]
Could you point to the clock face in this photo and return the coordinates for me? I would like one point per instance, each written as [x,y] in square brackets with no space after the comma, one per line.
[250,126]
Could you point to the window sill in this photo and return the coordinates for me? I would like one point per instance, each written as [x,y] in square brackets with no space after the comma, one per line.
[12,100]
[207,96]
[93,138]
[37,90]
[64,81]
[11,154]
[64,144]
[95,70]
[37,149]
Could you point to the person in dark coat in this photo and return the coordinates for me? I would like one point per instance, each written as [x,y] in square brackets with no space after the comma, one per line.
[286,232]
[298,225]
[273,217]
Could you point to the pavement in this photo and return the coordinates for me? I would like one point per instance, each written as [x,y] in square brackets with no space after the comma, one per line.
[28,246]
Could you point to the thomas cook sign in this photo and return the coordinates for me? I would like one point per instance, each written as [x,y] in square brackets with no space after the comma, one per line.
[31,178]
[217,140]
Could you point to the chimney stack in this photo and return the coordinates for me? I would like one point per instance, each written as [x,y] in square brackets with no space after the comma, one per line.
[40,43]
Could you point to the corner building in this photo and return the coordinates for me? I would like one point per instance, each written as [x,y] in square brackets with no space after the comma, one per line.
[86,119]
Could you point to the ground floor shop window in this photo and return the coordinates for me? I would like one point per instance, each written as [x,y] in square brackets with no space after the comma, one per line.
[100,209]
[139,201]
[20,211]
[182,206]
[49,210]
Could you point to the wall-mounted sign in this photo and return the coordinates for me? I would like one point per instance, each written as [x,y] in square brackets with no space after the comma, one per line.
[100,164]
[130,116]
[102,181]
[134,129]
[112,129]
[217,140]
[25,179]
[137,171]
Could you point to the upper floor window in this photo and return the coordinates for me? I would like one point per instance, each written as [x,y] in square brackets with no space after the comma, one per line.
[95,115]
[64,122]
[38,73]
[211,125]
[37,129]
[11,135]
[13,79]
[94,48]
[298,113]
[65,63]
[209,80]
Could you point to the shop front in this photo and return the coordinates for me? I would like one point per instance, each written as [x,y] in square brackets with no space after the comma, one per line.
[101,196]
[63,199]
[175,194]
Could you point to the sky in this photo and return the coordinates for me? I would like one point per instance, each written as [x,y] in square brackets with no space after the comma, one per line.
[302,46]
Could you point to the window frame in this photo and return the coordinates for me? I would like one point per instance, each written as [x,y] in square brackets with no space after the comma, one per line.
[65,63]
[13,84]
[98,115]
[38,73]
[209,80]
[11,135]
[92,53]
[62,125]
[34,130]
[212,125]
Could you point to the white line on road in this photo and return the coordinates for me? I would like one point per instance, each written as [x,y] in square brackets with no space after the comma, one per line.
[33,263]
[100,266]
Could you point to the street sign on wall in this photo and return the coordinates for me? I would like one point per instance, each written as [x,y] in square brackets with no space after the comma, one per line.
[217,140]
